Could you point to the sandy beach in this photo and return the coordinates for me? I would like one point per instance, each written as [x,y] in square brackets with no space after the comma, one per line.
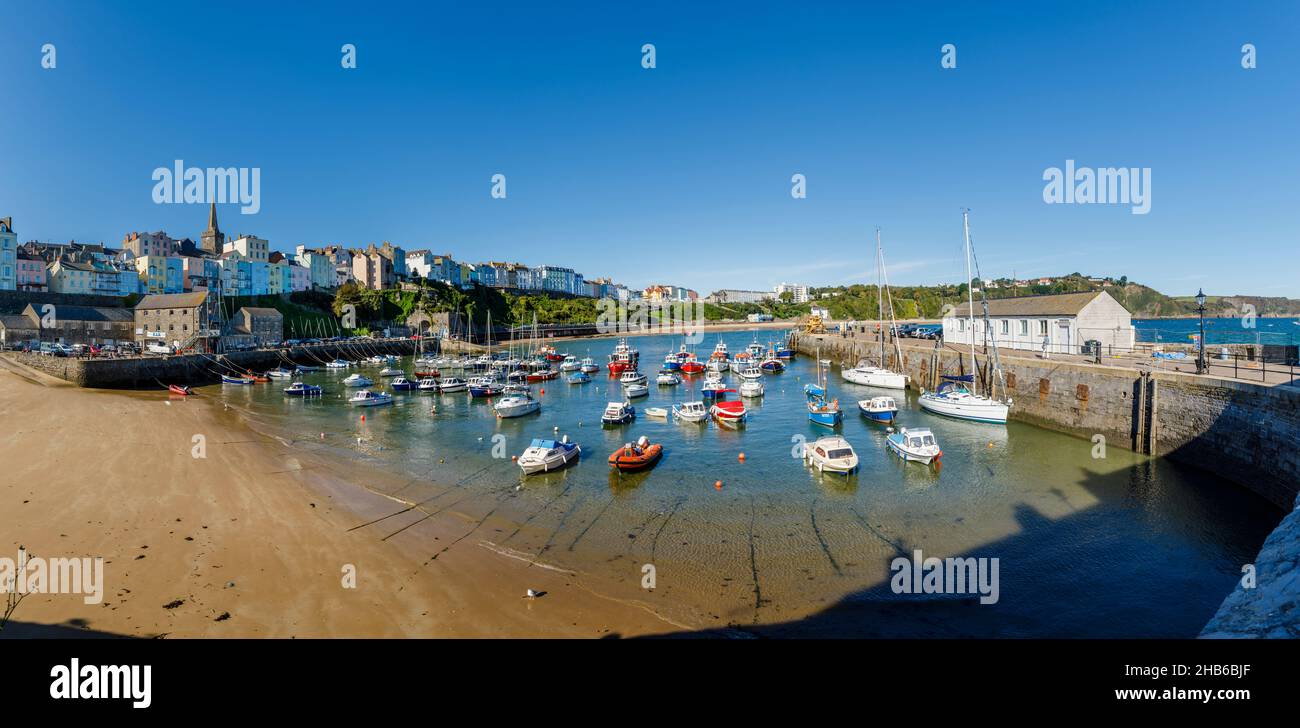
[253,539]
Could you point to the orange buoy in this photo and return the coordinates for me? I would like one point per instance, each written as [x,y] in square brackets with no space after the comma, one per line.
[514,458]
[741,457]
[363,418]
[543,391]
[717,485]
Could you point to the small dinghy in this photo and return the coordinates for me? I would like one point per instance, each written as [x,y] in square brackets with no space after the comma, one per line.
[235,380]
[656,412]
[832,453]
[635,390]
[357,380]
[579,378]
[618,413]
[543,456]
[298,389]
[879,409]
[916,444]
[180,389]
[367,398]
[634,457]
[691,411]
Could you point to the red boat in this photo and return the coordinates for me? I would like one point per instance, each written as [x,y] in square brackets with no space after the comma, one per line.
[180,389]
[641,456]
[431,374]
[692,366]
[624,357]
[542,375]
[728,411]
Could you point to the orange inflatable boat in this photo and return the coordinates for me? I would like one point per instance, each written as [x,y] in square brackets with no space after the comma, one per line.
[641,456]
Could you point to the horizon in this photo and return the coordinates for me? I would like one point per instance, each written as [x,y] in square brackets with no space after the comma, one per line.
[680,174]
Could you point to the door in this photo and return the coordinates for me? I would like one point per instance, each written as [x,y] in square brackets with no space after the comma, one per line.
[1063,336]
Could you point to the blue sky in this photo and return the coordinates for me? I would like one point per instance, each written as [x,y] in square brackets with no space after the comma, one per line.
[680,174]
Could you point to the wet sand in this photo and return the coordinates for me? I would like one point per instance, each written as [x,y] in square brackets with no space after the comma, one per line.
[258,530]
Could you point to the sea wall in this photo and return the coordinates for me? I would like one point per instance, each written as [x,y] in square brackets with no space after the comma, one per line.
[1268,605]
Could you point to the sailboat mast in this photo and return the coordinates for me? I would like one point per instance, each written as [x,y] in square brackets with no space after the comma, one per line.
[970,295]
[880,299]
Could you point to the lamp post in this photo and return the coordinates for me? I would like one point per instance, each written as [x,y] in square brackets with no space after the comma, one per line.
[1200,354]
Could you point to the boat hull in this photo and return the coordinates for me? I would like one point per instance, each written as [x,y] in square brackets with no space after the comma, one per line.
[986,411]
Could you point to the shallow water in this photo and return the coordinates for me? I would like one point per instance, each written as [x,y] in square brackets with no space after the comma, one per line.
[1087,547]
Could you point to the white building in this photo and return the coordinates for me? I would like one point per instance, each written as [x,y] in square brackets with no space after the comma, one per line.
[800,293]
[1063,322]
[251,247]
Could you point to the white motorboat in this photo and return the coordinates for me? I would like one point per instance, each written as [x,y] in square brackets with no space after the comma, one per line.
[357,380]
[280,373]
[391,372]
[832,453]
[691,411]
[569,364]
[618,413]
[718,365]
[871,376]
[337,364]
[917,444]
[751,388]
[750,372]
[589,365]
[632,376]
[428,384]
[667,378]
[879,409]
[516,405]
[543,456]
[632,391]
[367,398]
[452,384]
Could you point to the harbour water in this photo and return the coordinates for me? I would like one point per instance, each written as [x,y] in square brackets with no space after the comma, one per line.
[1087,546]
[1236,330]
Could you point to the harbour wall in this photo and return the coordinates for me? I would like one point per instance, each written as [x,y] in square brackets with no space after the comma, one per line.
[154,371]
[1243,432]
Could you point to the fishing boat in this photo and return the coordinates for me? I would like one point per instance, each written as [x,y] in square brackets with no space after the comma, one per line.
[632,391]
[750,372]
[691,365]
[954,397]
[544,374]
[667,378]
[516,405]
[452,384]
[357,380]
[428,384]
[720,351]
[298,389]
[710,388]
[879,409]
[570,364]
[751,388]
[656,412]
[771,363]
[691,411]
[618,413]
[180,389]
[588,366]
[402,384]
[579,378]
[785,351]
[484,387]
[741,360]
[916,444]
[623,357]
[754,349]
[671,362]
[832,453]
[728,410]
[717,365]
[280,373]
[225,379]
[550,353]
[632,376]
[633,457]
[821,411]
[367,398]
[543,456]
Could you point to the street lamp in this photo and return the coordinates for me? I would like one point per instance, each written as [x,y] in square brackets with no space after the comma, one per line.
[1200,308]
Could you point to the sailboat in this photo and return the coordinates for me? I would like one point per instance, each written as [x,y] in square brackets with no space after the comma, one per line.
[864,373]
[954,397]
[821,411]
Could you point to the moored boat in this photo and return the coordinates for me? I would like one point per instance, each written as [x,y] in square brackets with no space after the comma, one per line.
[632,391]
[428,384]
[667,378]
[226,379]
[357,380]
[367,398]
[751,388]
[832,453]
[402,384]
[299,389]
[618,413]
[543,456]
[916,444]
[452,384]
[579,378]
[879,409]
[639,456]
[516,405]
[180,389]
[953,398]
[691,411]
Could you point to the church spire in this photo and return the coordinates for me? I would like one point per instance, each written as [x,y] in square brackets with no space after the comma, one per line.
[212,241]
[212,218]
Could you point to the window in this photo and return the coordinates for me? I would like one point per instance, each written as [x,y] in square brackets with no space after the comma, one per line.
[1024,327]
[1006,326]
[1042,327]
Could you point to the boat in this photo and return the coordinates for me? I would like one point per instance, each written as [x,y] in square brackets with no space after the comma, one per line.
[740,361]
[544,374]
[280,373]
[632,391]
[667,378]
[618,413]
[751,388]
[728,410]
[305,368]
[428,384]
[754,350]
[543,456]
[452,384]
[954,397]
[718,365]
[588,366]
[367,398]
[402,384]
[298,389]
[516,405]
[691,411]
[671,362]
[225,379]
[879,409]
[337,364]
[710,388]
[357,380]
[691,365]
[516,389]
[551,354]
[570,364]
[180,389]
[633,457]
[832,453]
[422,373]
[720,351]
[873,376]
[632,376]
[518,376]
[484,387]
[785,351]
[391,372]
[656,412]
[750,372]
[623,357]
[820,410]
[916,444]
[579,378]
[771,363]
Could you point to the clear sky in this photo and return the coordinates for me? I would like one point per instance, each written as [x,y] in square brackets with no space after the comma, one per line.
[679,174]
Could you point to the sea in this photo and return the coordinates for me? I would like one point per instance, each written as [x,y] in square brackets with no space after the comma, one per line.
[1088,542]
[1236,330]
